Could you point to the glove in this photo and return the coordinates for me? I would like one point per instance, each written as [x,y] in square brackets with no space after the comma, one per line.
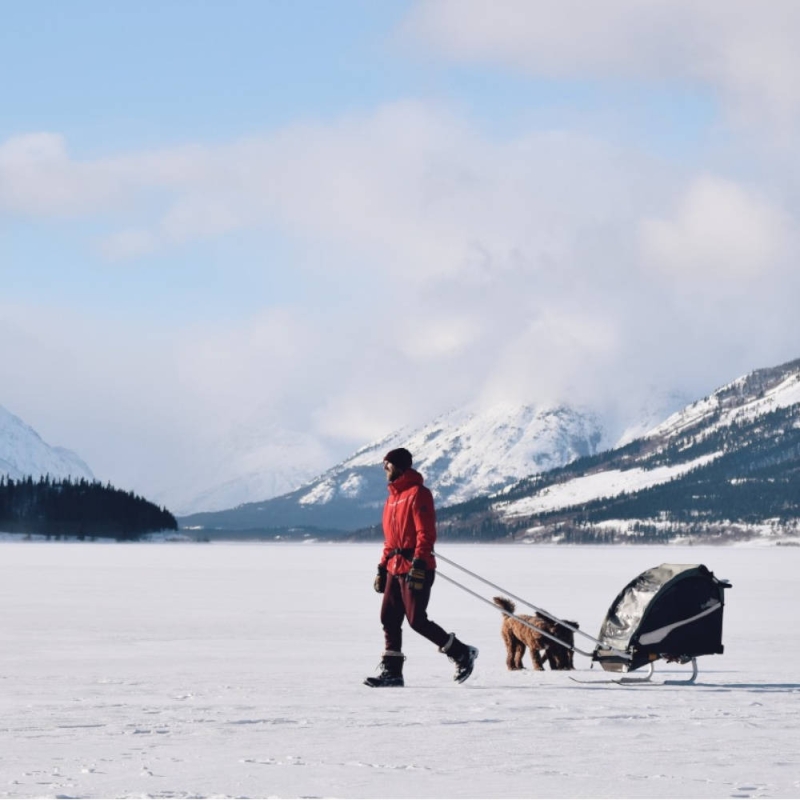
[416,575]
[379,584]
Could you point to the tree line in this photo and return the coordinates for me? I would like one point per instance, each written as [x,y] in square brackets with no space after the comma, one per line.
[80,508]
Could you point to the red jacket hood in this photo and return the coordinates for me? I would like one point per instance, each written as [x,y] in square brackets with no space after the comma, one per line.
[409,478]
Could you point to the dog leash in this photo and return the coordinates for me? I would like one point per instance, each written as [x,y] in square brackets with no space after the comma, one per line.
[541,611]
[516,617]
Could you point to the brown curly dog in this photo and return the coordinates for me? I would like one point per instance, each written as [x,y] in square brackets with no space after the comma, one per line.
[518,637]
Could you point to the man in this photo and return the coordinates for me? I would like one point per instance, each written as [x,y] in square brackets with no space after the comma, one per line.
[406,572]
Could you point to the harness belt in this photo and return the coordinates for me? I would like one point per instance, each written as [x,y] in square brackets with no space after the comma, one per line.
[407,553]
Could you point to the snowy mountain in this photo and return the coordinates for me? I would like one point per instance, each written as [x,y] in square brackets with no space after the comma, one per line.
[258,459]
[462,454]
[726,466]
[23,453]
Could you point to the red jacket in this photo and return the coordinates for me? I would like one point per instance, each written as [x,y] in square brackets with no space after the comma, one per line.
[409,523]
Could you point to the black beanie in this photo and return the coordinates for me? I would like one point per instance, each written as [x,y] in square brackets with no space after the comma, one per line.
[400,457]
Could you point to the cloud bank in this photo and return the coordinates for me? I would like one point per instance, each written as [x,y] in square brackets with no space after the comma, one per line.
[435,263]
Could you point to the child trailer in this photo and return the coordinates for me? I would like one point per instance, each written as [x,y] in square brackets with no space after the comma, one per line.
[671,612]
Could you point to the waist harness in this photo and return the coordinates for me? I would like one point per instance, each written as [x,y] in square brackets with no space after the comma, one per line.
[407,553]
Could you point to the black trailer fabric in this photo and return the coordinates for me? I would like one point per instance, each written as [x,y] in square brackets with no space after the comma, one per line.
[672,611]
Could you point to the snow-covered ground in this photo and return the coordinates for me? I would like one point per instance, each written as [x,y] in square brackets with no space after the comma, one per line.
[192,670]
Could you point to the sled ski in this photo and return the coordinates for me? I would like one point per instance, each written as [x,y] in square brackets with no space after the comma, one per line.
[628,680]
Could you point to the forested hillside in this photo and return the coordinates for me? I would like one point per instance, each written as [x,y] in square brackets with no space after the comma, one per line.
[80,508]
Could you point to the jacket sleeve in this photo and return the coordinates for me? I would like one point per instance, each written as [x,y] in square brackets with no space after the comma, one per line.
[424,516]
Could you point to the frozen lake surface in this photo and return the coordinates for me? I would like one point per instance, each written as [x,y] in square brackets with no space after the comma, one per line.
[234,670]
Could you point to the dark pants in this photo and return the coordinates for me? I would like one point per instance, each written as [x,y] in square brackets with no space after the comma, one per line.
[400,603]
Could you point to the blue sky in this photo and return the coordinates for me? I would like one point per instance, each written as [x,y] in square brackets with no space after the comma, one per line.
[152,73]
[234,221]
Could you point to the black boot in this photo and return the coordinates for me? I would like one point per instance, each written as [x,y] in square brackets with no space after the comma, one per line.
[391,671]
[463,655]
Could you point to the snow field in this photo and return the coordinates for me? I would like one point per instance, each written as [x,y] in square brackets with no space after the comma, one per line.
[234,670]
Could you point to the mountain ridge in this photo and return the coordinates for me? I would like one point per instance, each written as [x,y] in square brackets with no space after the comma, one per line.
[24,453]
[724,468]
[461,453]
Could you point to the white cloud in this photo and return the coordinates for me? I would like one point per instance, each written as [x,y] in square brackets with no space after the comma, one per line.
[744,50]
[551,38]
[35,174]
[438,338]
[39,177]
[127,244]
[561,356]
[435,266]
[32,149]
[720,232]
[407,190]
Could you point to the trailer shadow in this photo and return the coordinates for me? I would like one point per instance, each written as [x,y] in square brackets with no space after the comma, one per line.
[749,687]
[756,688]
